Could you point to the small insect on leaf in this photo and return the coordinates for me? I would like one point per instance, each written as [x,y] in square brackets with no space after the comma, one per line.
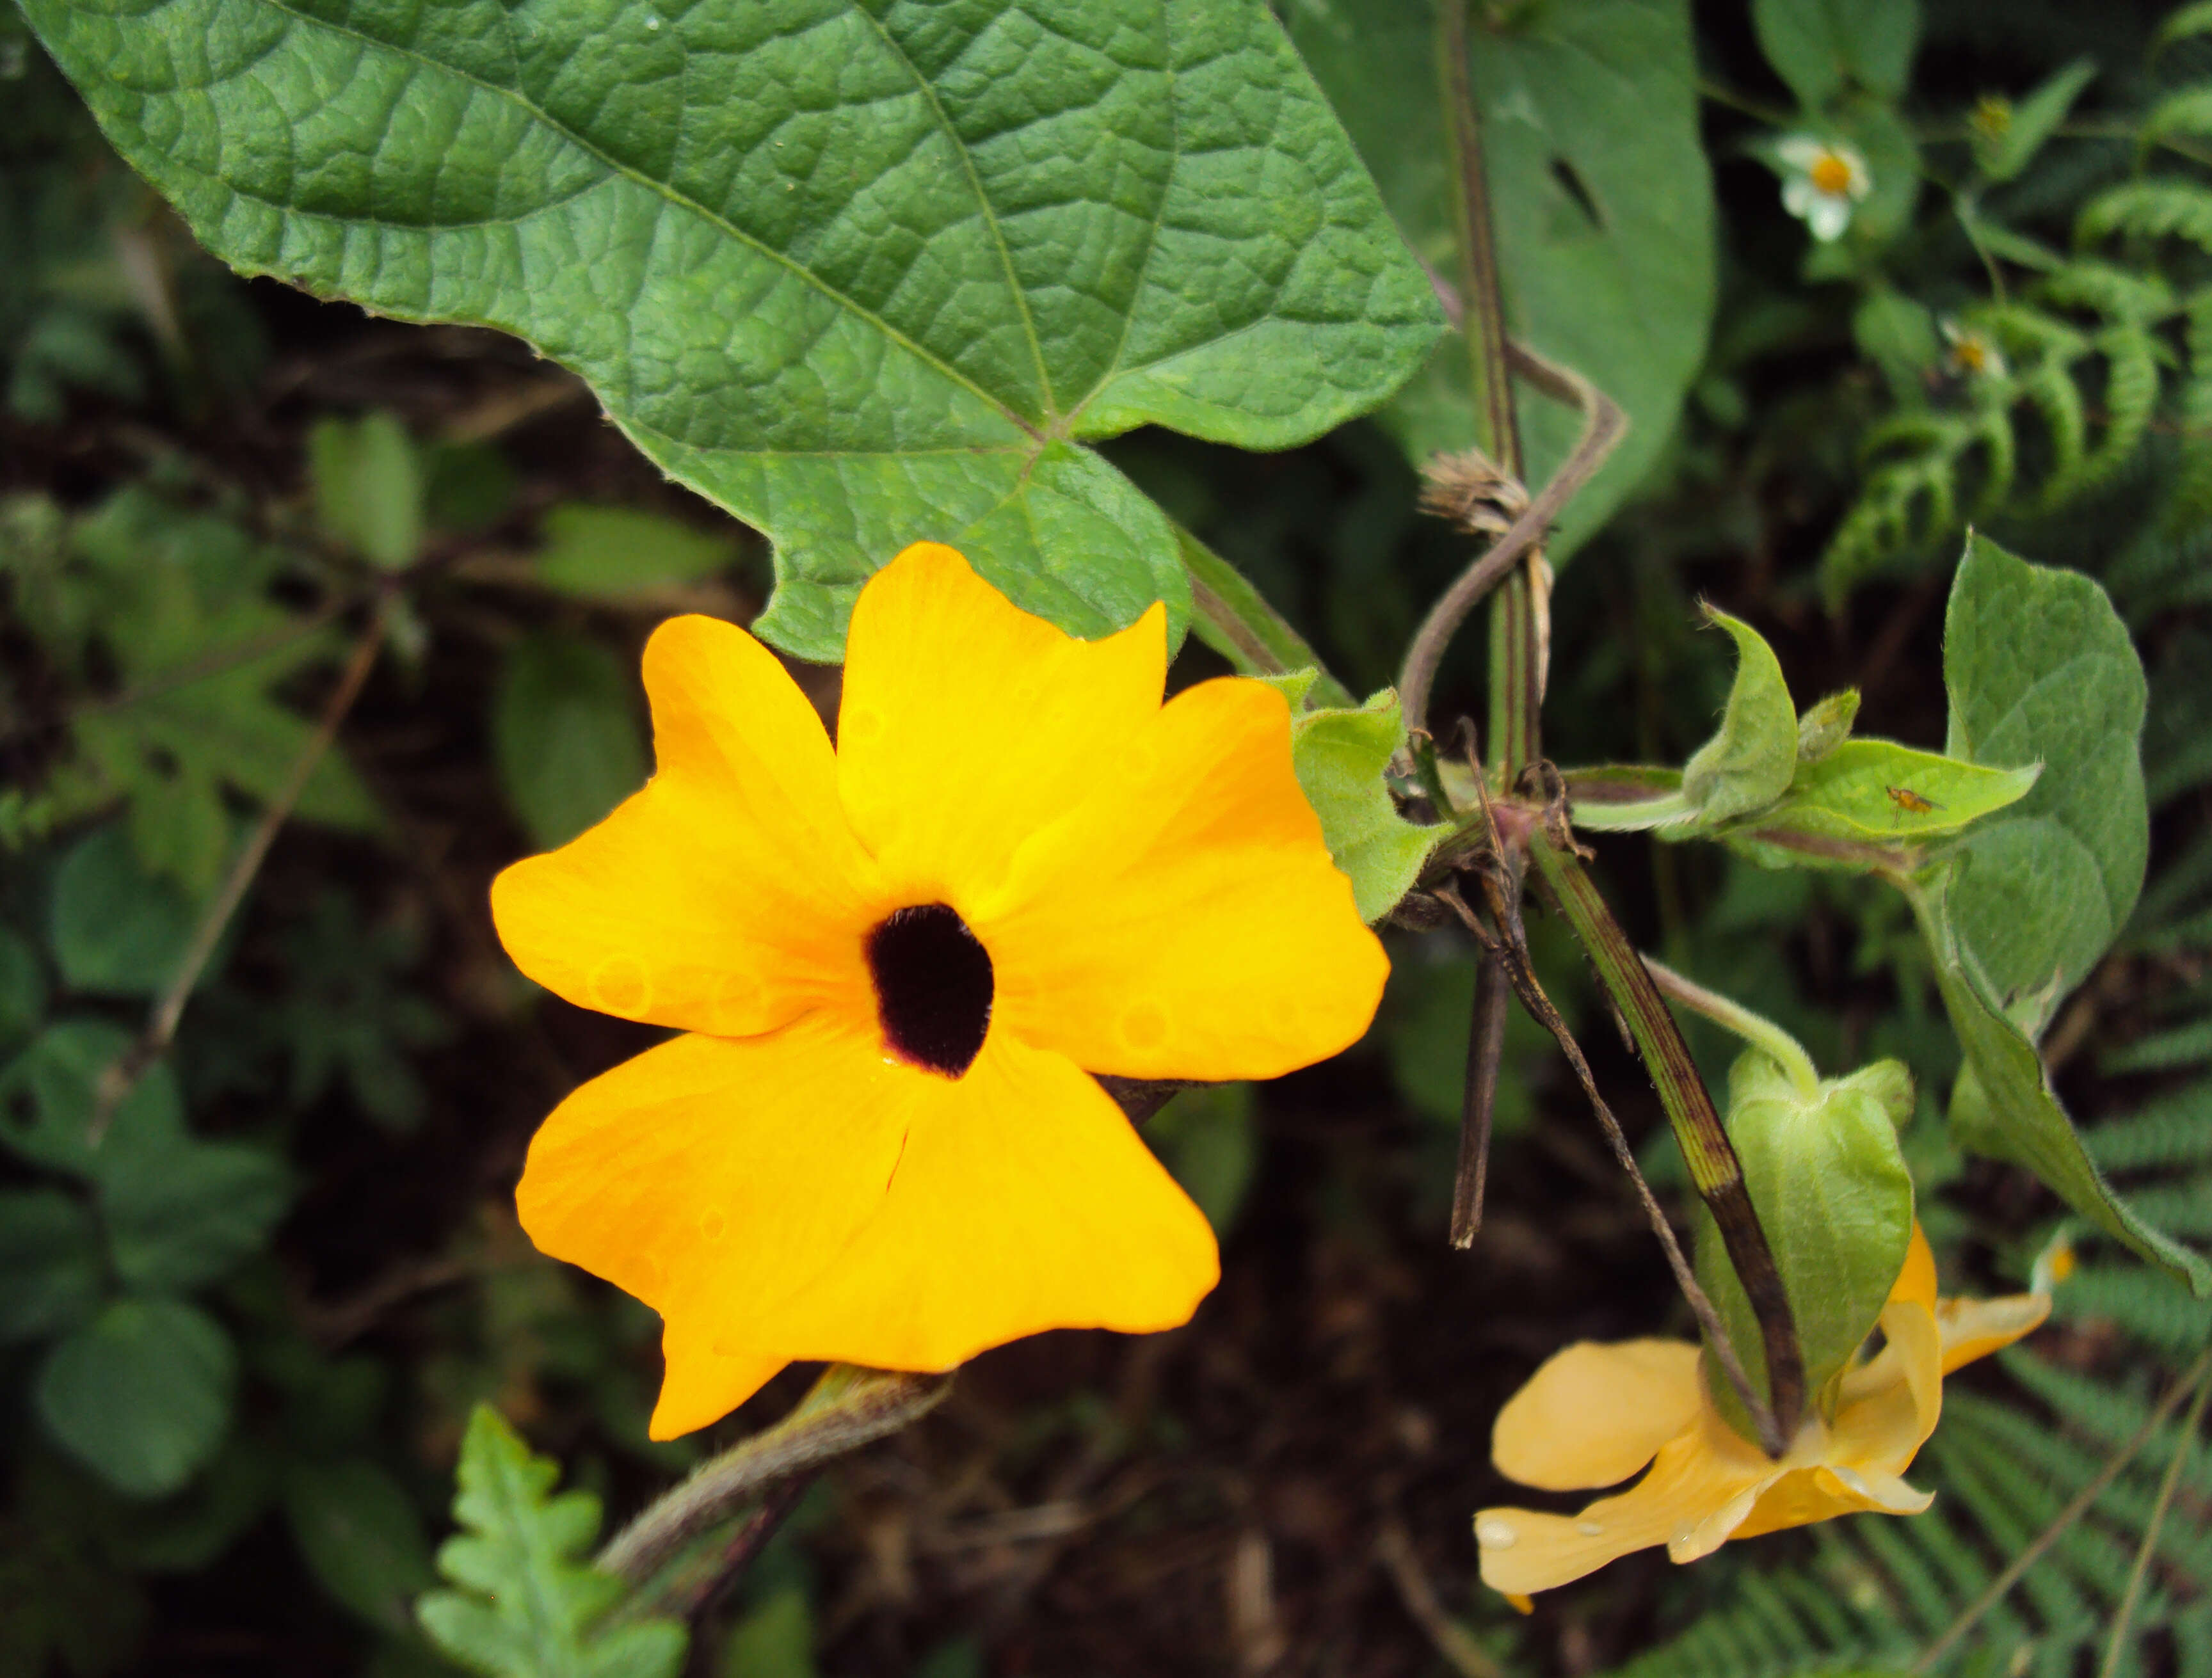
[1906,799]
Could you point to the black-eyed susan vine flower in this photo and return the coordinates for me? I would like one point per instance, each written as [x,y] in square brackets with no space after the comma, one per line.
[1594,1414]
[897,962]
[1822,182]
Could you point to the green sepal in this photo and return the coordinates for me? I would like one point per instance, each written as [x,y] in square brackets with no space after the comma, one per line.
[1826,724]
[1339,757]
[1829,1183]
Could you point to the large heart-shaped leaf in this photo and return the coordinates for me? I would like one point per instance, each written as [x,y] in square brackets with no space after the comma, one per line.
[1601,192]
[865,271]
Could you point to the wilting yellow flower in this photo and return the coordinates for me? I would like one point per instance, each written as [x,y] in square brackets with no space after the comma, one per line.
[1594,1414]
[898,961]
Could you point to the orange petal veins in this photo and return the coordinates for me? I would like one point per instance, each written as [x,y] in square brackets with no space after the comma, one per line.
[1593,1415]
[730,894]
[712,1176]
[1024,1201]
[966,723]
[1186,921]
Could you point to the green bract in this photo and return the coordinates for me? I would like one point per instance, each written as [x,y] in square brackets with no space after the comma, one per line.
[1603,203]
[864,273]
[1830,1185]
[1340,757]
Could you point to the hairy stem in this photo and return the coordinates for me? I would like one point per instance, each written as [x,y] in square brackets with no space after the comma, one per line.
[1754,1029]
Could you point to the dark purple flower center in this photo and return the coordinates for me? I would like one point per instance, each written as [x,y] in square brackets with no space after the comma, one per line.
[933,987]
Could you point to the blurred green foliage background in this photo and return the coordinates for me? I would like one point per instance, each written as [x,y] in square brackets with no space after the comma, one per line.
[245,1311]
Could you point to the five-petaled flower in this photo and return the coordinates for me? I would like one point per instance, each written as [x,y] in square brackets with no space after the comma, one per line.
[1594,1414]
[1822,181]
[896,963]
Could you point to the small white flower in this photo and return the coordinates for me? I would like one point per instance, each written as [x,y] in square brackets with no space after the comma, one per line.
[1821,180]
[1974,353]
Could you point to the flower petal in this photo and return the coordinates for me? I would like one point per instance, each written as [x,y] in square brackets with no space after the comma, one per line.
[1916,1282]
[700,1385]
[730,894]
[1023,1200]
[1972,1329]
[1700,1488]
[1819,1493]
[1594,1414]
[1187,921]
[713,1177]
[966,723]
[1888,1405]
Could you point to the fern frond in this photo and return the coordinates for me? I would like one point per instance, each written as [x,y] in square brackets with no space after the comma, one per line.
[2131,385]
[2186,111]
[2172,1131]
[2163,207]
[2117,293]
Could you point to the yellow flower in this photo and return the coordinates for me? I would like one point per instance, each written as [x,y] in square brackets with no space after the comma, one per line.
[897,962]
[1594,1414]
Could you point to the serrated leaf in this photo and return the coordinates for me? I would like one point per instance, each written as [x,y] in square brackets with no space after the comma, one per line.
[527,1603]
[50,1277]
[2003,1105]
[367,481]
[2032,121]
[612,553]
[141,1394]
[1339,756]
[565,735]
[116,929]
[2039,669]
[182,1215]
[48,1099]
[1877,791]
[359,1534]
[1823,47]
[1603,206]
[1829,1183]
[863,274]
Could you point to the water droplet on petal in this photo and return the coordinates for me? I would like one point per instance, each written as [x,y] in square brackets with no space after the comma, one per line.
[1590,1529]
[1494,1533]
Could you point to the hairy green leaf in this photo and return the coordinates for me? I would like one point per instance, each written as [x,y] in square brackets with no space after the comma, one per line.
[1340,757]
[2003,1105]
[368,484]
[1830,1184]
[526,1604]
[141,1394]
[1748,762]
[2040,670]
[1602,200]
[1854,792]
[565,735]
[1825,725]
[864,272]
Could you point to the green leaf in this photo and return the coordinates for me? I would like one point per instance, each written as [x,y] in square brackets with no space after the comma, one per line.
[1821,47]
[141,1394]
[1206,1139]
[1748,764]
[617,552]
[776,1638]
[525,1605]
[1339,756]
[50,1277]
[369,486]
[117,929]
[22,988]
[359,1534]
[2040,670]
[565,735]
[1603,207]
[183,1215]
[2003,1105]
[2005,147]
[1825,725]
[48,1099]
[1830,1185]
[1852,794]
[862,274]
